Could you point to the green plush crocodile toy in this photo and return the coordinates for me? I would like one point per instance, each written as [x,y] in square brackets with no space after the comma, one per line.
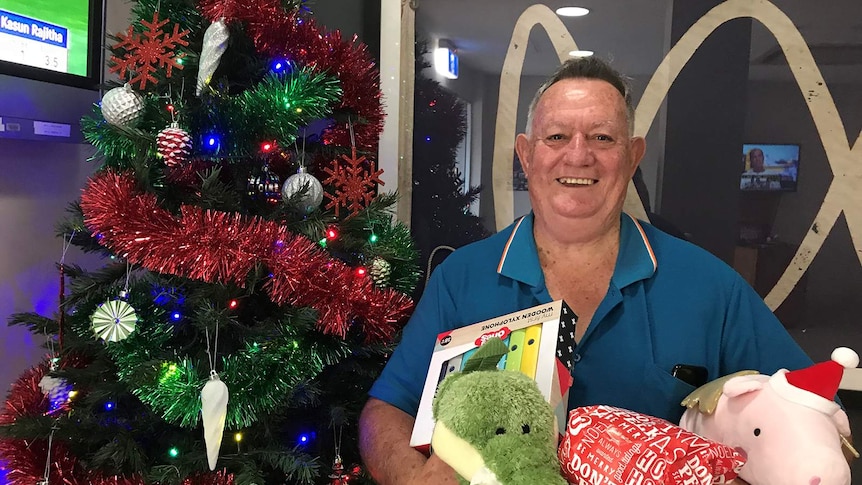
[494,427]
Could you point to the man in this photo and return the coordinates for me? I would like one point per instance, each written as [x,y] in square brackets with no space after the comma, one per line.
[646,302]
[756,160]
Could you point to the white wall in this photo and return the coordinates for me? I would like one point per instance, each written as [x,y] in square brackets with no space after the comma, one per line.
[39,180]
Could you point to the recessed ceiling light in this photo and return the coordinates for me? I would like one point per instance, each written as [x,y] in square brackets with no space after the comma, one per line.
[572,11]
[580,53]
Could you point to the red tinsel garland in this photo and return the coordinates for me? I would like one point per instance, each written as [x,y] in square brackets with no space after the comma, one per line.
[278,33]
[223,247]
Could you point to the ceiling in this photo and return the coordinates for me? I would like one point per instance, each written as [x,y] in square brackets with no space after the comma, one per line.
[632,34]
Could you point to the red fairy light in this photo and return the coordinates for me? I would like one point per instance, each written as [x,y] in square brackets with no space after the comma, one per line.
[361,271]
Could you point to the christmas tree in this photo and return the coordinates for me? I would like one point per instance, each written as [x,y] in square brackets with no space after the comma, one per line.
[254,278]
[441,214]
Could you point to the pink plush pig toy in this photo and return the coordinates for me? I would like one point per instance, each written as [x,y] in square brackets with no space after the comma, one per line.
[788,424]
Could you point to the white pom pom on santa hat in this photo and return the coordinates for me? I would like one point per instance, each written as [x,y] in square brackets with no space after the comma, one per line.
[846,357]
[816,386]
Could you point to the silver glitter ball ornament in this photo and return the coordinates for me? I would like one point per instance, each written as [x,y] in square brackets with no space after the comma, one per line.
[123,107]
[306,184]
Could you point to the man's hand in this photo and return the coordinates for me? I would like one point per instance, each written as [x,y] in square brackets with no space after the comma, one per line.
[384,442]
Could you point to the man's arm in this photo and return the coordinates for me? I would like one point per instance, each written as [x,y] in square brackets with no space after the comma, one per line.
[384,442]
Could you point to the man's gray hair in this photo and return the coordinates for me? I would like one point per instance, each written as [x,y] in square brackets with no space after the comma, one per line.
[586,68]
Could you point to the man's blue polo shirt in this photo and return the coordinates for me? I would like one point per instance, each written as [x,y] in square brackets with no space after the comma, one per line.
[669,302]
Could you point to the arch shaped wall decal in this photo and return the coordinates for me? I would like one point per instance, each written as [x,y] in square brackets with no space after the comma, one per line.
[845,162]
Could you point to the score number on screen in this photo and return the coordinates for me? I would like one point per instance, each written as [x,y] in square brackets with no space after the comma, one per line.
[32,42]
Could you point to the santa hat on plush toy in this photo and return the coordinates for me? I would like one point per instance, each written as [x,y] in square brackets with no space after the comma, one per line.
[817,385]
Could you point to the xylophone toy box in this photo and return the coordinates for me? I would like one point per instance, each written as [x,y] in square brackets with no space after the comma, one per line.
[541,343]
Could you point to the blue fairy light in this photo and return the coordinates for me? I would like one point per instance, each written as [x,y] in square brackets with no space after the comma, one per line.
[280,65]
[212,143]
[306,438]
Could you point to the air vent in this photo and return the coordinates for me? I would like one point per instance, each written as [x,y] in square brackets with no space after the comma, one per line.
[824,54]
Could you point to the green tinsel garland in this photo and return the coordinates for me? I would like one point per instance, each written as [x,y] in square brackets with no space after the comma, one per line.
[277,108]
[261,376]
[274,111]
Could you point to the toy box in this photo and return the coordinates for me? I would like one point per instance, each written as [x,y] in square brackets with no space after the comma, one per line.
[541,343]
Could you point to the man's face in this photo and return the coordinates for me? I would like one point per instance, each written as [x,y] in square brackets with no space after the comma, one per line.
[757,160]
[579,157]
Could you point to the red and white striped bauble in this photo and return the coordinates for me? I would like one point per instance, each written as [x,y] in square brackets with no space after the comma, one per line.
[174,145]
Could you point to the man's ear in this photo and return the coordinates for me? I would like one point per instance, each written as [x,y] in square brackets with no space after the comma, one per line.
[637,149]
[522,148]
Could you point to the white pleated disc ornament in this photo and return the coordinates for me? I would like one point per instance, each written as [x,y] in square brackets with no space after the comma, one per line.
[114,320]
[307,184]
[215,43]
[174,145]
[123,107]
[214,412]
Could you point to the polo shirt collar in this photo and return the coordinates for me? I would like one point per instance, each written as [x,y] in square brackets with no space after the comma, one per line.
[636,260]
[520,259]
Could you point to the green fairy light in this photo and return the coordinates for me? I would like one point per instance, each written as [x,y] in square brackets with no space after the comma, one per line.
[174,452]
[169,372]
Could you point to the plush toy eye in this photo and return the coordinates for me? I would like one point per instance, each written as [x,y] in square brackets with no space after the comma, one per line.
[756,431]
[525,429]
[501,430]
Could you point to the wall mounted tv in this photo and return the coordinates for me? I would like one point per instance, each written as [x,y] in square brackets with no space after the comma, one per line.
[769,167]
[58,41]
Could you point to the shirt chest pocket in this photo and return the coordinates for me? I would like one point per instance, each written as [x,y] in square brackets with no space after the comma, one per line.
[663,393]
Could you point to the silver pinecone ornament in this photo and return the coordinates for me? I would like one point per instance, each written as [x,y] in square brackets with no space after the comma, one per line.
[380,272]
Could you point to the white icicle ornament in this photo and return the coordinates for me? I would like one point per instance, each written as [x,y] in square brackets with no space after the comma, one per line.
[214,397]
[215,43]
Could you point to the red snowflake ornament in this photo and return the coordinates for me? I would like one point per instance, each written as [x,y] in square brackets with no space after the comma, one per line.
[354,183]
[144,53]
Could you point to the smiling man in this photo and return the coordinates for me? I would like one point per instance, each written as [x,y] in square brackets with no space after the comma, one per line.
[648,303]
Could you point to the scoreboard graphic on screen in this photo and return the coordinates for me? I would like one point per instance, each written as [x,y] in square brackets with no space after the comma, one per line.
[32,42]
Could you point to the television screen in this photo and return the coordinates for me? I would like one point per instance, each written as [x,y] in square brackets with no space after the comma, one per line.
[51,40]
[769,167]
